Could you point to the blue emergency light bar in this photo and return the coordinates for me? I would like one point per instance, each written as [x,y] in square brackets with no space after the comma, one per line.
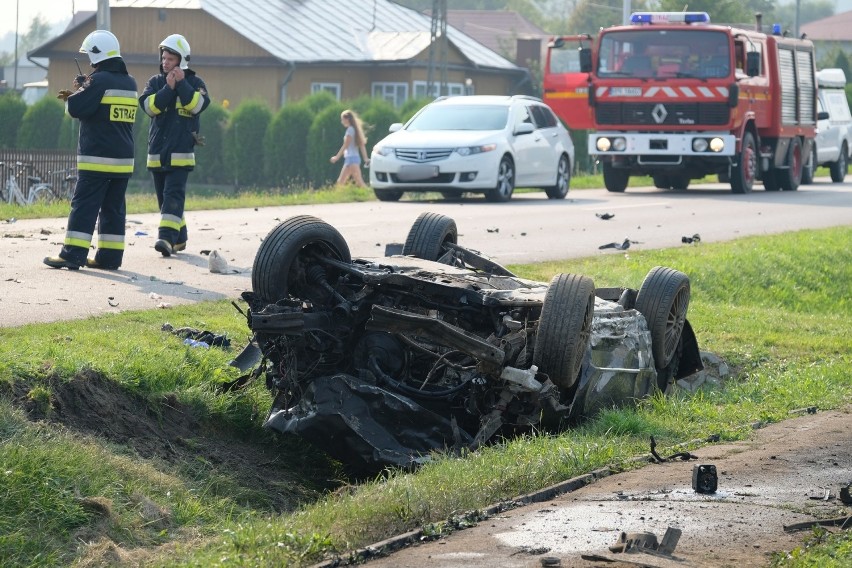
[669,18]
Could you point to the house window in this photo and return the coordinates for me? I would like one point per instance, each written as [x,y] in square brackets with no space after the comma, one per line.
[453,89]
[394,93]
[333,88]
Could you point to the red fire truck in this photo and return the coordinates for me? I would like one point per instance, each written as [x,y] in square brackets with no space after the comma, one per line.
[676,98]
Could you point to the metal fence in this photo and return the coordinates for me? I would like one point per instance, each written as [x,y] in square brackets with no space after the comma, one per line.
[41,163]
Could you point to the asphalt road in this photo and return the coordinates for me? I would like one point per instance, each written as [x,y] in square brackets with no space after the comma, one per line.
[529,228]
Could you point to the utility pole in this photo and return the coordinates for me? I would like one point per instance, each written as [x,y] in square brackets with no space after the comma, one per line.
[17,9]
[798,2]
[102,21]
[625,12]
[438,42]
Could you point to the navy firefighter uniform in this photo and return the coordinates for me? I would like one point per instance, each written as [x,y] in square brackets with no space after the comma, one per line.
[106,104]
[175,125]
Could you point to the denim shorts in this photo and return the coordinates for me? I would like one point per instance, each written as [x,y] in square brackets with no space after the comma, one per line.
[352,160]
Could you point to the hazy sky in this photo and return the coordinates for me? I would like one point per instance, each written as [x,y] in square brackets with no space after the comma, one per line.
[51,10]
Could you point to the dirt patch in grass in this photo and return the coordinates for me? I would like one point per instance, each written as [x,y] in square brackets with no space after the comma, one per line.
[266,474]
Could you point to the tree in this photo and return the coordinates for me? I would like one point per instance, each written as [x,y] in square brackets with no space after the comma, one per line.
[12,110]
[210,158]
[244,142]
[39,32]
[41,125]
[812,10]
[324,140]
[739,12]
[286,145]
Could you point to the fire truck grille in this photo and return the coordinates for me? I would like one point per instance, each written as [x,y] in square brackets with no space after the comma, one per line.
[669,114]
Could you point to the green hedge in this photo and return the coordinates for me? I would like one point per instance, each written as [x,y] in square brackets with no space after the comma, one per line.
[12,110]
[245,147]
[41,125]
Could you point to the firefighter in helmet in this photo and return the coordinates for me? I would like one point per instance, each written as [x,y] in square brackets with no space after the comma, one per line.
[105,103]
[174,99]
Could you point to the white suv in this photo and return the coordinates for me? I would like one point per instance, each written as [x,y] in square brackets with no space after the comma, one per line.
[834,127]
[484,144]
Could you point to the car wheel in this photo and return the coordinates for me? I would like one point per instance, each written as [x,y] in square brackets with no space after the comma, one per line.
[809,169]
[790,178]
[505,182]
[564,328]
[288,251]
[428,234]
[838,168]
[745,172]
[563,180]
[615,180]
[388,194]
[663,299]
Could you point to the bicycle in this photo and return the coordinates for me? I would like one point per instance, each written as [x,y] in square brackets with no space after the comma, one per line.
[38,191]
[64,184]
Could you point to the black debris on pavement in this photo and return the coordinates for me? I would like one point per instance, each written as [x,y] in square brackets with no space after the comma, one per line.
[605,216]
[204,336]
[696,238]
[618,246]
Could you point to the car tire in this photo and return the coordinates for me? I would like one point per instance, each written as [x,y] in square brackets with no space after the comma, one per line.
[838,169]
[809,169]
[664,299]
[745,172]
[789,178]
[615,180]
[428,234]
[505,186]
[563,179]
[280,265]
[388,194]
[564,328]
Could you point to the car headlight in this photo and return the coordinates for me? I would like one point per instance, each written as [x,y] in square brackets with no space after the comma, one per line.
[699,144]
[468,150]
[383,150]
[619,144]
[603,144]
[717,144]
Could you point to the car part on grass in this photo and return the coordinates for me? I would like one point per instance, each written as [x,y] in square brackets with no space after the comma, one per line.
[647,542]
[384,361]
[684,456]
[842,522]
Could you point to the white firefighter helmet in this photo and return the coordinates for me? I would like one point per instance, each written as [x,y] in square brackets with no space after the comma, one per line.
[100,45]
[178,45]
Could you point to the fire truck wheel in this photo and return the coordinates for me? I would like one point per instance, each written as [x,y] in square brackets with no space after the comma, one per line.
[680,182]
[563,180]
[662,182]
[770,180]
[790,178]
[838,168]
[809,169]
[743,174]
[615,180]
[505,182]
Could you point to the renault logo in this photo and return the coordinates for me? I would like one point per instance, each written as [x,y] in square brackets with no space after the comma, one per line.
[659,113]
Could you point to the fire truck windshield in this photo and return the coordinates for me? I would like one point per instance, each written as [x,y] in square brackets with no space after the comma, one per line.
[650,53]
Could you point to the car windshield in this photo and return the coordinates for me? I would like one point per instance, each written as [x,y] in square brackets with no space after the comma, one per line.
[461,117]
[650,54]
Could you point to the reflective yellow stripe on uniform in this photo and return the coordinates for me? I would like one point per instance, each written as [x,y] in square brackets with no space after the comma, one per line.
[106,165]
[122,105]
[171,222]
[115,242]
[183,159]
[78,239]
[149,107]
[193,106]
[153,161]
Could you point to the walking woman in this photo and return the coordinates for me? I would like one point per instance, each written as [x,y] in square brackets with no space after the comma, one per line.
[354,146]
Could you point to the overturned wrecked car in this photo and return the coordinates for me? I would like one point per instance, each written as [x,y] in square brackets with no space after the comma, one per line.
[381,361]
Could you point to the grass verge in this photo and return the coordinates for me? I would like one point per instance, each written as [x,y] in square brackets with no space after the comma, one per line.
[777,308]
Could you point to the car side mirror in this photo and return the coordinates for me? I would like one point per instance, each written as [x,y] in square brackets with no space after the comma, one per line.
[753,63]
[585,60]
[524,128]
[395,126]
[822,115]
